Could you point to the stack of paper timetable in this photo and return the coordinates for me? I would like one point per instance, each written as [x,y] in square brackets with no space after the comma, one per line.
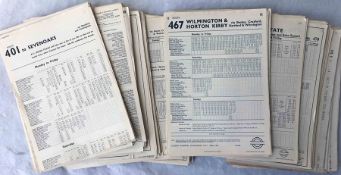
[104,85]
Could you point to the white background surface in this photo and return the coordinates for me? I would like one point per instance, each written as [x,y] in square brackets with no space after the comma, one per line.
[14,156]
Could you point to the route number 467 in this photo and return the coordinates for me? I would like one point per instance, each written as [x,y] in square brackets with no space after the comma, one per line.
[176,24]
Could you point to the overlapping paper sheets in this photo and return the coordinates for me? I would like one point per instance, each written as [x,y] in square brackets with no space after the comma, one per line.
[119,86]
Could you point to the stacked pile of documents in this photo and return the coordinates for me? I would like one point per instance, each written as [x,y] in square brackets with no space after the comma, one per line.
[103,85]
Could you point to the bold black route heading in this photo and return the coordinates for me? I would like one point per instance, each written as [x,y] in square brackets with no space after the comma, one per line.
[47,40]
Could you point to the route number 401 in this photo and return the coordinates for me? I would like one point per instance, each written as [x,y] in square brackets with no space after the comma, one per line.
[176,24]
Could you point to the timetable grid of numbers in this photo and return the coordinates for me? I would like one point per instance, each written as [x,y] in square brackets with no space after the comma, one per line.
[226,44]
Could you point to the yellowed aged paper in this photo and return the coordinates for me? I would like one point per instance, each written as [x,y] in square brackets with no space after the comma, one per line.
[331,164]
[326,103]
[155,36]
[314,57]
[149,154]
[111,22]
[73,108]
[217,83]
